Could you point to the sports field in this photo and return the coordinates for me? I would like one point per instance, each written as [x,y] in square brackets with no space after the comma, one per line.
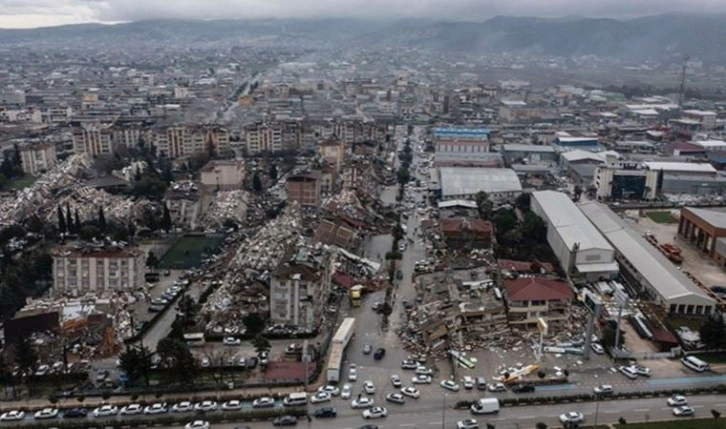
[189,250]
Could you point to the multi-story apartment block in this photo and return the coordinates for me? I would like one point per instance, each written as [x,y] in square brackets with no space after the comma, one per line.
[263,137]
[94,270]
[223,174]
[300,287]
[332,151]
[38,158]
[94,139]
[304,188]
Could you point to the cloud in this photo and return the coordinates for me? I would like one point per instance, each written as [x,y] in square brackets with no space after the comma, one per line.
[28,13]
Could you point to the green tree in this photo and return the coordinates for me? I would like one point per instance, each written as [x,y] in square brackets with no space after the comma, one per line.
[534,228]
[166,220]
[69,220]
[273,172]
[261,344]
[77,222]
[504,221]
[136,362]
[25,358]
[88,232]
[713,332]
[177,359]
[403,176]
[256,183]
[523,201]
[254,323]
[484,205]
[151,260]
[101,221]
[61,221]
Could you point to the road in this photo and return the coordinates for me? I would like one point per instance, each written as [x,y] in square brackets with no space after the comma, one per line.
[424,414]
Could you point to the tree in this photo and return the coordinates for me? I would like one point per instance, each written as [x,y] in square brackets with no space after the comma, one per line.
[69,220]
[77,222]
[101,221]
[622,421]
[273,172]
[484,205]
[541,425]
[523,201]
[504,220]
[166,220]
[256,183]
[716,415]
[25,358]
[534,228]
[261,344]
[53,399]
[177,359]
[136,362]
[403,176]
[254,323]
[88,232]
[151,260]
[61,221]
[713,332]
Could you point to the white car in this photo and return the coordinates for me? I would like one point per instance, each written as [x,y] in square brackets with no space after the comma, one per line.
[496,387]
[468,382]
[42,370]
[183,407]
[396,381]
[361,402]
[369,387]
[12,416]
[603,389]
[467,424]
[155,409]
[572,417]
[375,413]
[677,401]
[333,390]
[641,370]
[628,372]
[105,411]
[197,424]
[424,370]
[346,392]
[411,392]
[263,402]
[352,373]
[683,411]
[450,385]
[46,413]
[421,379]
[231,341]
[131,410]
[396,398]
[232,405]
[597,348]
[205,406]
[320,397]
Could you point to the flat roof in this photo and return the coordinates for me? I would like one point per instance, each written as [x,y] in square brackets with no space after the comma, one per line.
[712,217]
[701,167]
[460,131]
[457,203]
[469,181]
[659,272]
[518,147]
[711,143]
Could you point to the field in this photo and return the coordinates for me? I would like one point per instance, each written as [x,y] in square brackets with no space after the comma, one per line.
[683,423]
[189,250]
[22,182]
[662,217]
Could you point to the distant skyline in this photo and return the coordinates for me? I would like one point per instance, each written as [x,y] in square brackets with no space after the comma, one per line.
[44,13]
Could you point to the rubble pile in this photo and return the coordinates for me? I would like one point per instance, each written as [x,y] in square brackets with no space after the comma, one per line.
[263,251]
[227,205]
[87,200]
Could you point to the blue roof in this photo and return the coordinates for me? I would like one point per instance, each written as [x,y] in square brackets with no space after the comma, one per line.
[461,131]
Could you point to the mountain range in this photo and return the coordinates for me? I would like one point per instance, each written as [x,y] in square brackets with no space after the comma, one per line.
[659,37]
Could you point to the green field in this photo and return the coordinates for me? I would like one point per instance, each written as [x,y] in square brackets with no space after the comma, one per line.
[22,182]
[662,217]
[683,423]
[189,250]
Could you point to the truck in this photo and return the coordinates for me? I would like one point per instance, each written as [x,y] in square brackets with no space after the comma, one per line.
[355,295]
[337,349]
[485,406]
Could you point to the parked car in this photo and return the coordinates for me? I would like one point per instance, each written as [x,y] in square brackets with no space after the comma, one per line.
[12,416]
[523,388]
[285,421]
[411,392]
[231,341]
[352,373]
[409,364]
[333,390]
[597,348]
[369,387]
[263,402]
[252,363]
[450,385]
[105,411]
[641,370]
[467,424]
[205,406]
[603,389]
[375,413]
[367,349]
[572,417]
[158,408]
[396,398]
[232,405]
[320,397]
[424,370]
[197,424]
[496,387]
[131,410]
[46,413]
[325,412]
[75,413]
[468,382]
[628,372]
[421,379]
[396,380]
[182,407]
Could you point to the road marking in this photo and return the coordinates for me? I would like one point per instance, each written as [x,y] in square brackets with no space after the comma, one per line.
[697,406]
[720,405]
[403,425]
[434,423]
[641,410]
[525,417]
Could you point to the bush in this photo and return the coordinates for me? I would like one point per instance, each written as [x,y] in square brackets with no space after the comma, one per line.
[622,421]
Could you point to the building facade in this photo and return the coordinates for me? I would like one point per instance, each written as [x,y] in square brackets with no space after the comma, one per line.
[304,188]
[77,272]
[223,175]
[39,158]
[705,229]
[530,298]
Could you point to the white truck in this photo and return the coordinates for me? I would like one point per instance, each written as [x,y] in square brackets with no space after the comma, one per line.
[485,406]
[337,349]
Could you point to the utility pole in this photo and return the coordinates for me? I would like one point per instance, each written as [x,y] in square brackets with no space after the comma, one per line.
[443,414]
[306,361]
[597,410]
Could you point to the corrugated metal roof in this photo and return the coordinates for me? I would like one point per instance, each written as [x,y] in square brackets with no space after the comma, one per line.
[675,167]
[469,181]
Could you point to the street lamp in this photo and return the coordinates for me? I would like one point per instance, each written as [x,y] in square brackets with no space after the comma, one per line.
[443,414]
[597,409]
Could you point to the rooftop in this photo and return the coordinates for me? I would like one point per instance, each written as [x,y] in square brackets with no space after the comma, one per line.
[537,289]
[517,147]
[702,167]
[469,181]
[712,217]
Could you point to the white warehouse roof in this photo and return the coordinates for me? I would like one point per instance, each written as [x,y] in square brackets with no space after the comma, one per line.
[681,167]
[469,181]
[572,226]
[670,283]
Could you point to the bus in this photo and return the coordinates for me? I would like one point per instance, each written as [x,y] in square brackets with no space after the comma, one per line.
[194,340]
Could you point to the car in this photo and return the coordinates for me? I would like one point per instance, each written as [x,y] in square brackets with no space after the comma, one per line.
[450,385]
[242,362]
[105,411]
[263,402]
[264,358]
[346,391]
[285,421]
[411,392]
[409,364]
[369,387]
[232,405]
[101,375]
[325,412]
[375,413]
[396,381]
[603,389]
[597,348]
[423,370]
[320,397]
[641,370]
[352,373]
[75,413]
[677,400]
[205,362]
[367,349]
[182,407]
[205,406]
[523,388]
[42,370]
[379,354]
[396,398]
[683,411]
[12,416]
[572,417]
[46,413]
[333,390]
[252,363]
[421,379]
[468,382]
[231,341]
[361,402]
[467,424]
[197,424]
[368,427]
[131,410]
[628,372]
[496,387]
[399,275]
[157,408]
[293,348]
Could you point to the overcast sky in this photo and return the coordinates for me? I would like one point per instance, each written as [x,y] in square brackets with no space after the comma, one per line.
[38,13]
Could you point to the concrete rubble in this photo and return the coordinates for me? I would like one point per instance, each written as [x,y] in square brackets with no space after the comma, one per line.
[227,205]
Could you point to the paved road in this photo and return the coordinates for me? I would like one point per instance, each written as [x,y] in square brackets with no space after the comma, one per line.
[425,414]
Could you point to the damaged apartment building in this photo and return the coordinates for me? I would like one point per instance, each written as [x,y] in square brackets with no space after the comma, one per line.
[300,287]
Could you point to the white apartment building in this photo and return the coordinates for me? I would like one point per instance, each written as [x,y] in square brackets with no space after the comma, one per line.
[77,272]
[38,158]
[93,139]
[263,138]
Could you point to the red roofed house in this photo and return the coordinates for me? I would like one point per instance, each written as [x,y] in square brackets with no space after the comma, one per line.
[529,298]
[462,231]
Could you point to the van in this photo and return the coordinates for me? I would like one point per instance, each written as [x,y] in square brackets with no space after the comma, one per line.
[695,363]
[485,406]
[295,399]
[481,383]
